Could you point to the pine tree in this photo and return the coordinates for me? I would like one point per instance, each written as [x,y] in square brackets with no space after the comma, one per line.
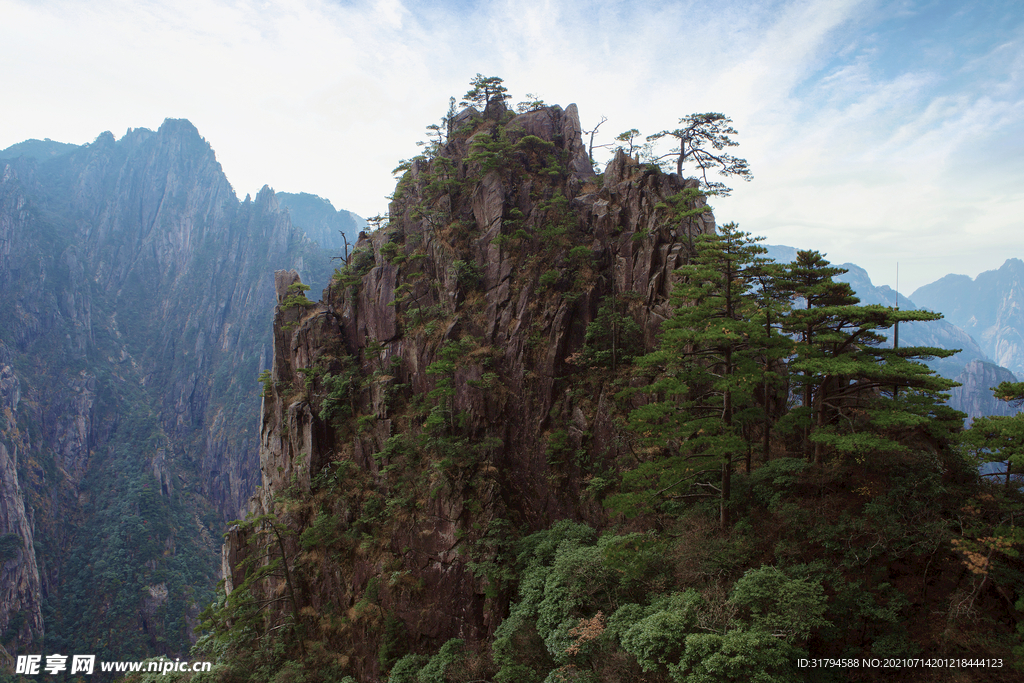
[709,363]
[614,337]
[848,380]
[774,301]
[1000,438]
[702,141]
[483,90]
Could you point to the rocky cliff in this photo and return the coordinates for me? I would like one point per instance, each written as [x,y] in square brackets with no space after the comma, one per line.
[20,589]
[454,387]
[137,294]
[974,395]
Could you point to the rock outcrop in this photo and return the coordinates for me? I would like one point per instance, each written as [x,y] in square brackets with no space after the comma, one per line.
[21,618]
[434,395]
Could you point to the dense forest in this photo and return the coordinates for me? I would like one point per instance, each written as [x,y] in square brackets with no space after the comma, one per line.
[550,425]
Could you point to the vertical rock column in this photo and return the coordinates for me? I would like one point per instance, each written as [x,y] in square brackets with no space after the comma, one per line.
[21,618]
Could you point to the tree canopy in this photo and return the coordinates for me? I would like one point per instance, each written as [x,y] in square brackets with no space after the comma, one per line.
[484,89]
[702,140]
[737,337]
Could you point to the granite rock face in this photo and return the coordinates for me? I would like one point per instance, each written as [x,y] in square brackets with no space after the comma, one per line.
[442,373]
[138,298]
[974,396]
[20,589]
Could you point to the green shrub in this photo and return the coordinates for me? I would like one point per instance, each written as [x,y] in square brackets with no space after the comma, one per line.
[451,655]
[361,261]
[774,479]
[10,544]
[549,279]
[557,447]
[365,423]
[321,533]
[738,656]
[467,274]
[580,254]
[393,644]
[390,252]
[775,603]
[657,639]
[406,668]
[337,403]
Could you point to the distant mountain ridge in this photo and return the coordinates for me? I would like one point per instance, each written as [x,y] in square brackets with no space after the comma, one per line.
[39,150]
[313,214]
[989,307]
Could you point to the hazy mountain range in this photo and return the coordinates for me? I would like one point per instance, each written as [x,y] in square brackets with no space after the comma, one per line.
[990,308]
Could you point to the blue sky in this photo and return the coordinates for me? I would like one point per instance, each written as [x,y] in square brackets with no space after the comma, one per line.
[877,131]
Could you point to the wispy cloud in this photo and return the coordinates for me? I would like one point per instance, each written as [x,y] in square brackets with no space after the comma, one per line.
[884,162]
[876,131]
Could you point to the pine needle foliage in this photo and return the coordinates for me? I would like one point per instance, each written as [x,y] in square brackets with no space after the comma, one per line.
[738,341]
[709,364]
[848,378]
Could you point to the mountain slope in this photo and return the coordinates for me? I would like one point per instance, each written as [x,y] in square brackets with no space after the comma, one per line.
[430,403]
[457,488]
[137,292]
[974,396]
[317,217]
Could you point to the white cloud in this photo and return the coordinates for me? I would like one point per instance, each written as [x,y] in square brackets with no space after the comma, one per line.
[854,153]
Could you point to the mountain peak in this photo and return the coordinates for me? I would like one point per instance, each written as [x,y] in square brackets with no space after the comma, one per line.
[37,149]
[266,196]
[178,127]
[319,219]
[1012,264]
[104,139]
